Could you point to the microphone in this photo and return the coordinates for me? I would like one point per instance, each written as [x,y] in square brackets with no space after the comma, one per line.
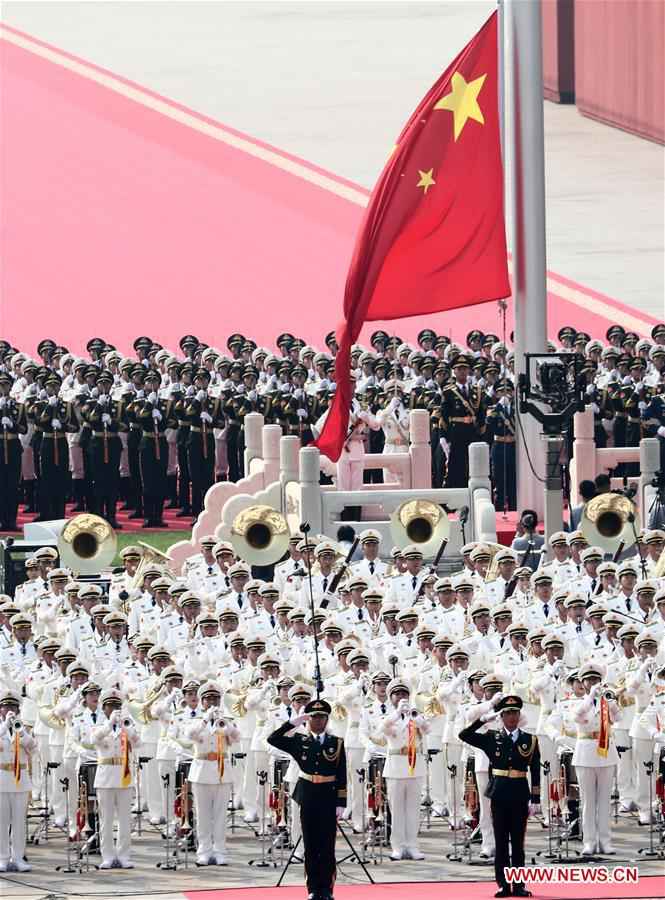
[464,515]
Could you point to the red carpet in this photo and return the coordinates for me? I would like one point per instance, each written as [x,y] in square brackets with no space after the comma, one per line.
[128,525]
[455,890]
[149,218]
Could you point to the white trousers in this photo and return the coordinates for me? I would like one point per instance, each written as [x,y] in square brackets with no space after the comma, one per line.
[151,786]
[404,800]
[115,805]
[296,827]
[356,800]
[485,821]
[167,767]
[437,780]
[642,753]
[250,781]
[625,769]
[210,803]
[13,807]
[595,789]
[56,793]
[548,753]
[452,754]
[260,763]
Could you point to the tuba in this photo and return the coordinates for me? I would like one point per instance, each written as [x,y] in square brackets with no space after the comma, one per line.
[151,555]
[493,568]
[422,523]
[610,520]
[260,535]
[86,544]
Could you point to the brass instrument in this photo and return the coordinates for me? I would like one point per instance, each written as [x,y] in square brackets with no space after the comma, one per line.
[422,523]
[608,694]
[86,544]
[151,555]
[471,801]
[260,535]
[181,809]
[609,520]
[140,709]
[493,568]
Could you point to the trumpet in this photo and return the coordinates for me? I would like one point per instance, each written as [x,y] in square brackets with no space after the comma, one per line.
[14,723]
[608,694]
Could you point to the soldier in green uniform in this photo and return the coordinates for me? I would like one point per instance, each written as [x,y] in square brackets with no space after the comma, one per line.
[103,420]
[153,416]
[320,791]
[462,421]
[53,419]
[12,423]
[202,414]
[513,754]
[501,429]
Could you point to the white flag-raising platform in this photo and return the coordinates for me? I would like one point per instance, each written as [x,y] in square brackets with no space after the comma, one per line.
[286,477]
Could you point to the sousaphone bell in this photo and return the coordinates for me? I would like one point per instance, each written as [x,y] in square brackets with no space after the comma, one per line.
[609,520]
[260,535]
[87,544]
[419,522]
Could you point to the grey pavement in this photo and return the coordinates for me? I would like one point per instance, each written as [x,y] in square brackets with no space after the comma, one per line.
[333,82]
[149,881]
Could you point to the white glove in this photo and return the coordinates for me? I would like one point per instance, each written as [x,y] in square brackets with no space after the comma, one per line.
[489,716]
[152,397]
[240,389]
[3,402]
[140,394]
[190,391]
[200,396]
[504,401]
[114,718]
[106,419]
[394,403]
[206,417]
[56,424]
[497,698]
[595,691]
[557,666]
[661,431]
[639,385]
[590,388]
[403,706]
[339,811]
[642,406]
[302,413]
[94,393]
[299,393]
[7,422]
[252,395]
[157,416]
[43,395]
[175,387]
[363,415]
[300,720]
[52,401]
[103,398]
[595,408]
[445,446]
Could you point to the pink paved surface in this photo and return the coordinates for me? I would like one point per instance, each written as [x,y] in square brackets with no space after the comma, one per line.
[647,887]
[118,220]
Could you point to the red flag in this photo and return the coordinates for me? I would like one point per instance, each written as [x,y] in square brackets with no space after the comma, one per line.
[433,235]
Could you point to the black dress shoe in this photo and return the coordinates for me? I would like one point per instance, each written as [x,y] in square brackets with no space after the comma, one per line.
[137,514]
[520,891]
[183,514]
[503,892]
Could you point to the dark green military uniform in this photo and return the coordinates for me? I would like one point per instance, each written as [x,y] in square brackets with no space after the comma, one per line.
[500,425]
[508,789]
[12,424]
[54,420]
[103,420]
[462,423]
[321,788]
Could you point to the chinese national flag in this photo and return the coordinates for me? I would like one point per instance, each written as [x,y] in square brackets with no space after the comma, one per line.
[433,235]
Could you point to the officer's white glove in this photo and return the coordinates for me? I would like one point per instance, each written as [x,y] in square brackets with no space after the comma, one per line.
[152,397]
[3,402]
[626,379]
[497,698]
[298,393]
[252,395]
[302,413]
[558,666]
[534,809]
[200,396]
[595,691]
[504,401]
[639,385]
[240,389]
[103,398]
[642,405]
[590,388]
[489,716]
[7,422]
[403,706]
[94,393]
[157,416]
[52,401]
[106,419]
[190,391]
[445,446]
[363,415]
[56,424]
[595,408]
[394,403]
[300,720]
[661,431]
[206,417]
[42,394]
[140,394]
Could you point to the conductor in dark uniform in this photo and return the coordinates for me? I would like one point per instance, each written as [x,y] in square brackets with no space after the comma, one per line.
[513,755]
[320,791]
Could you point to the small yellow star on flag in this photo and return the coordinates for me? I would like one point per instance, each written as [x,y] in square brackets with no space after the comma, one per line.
[426,180]
[462,101]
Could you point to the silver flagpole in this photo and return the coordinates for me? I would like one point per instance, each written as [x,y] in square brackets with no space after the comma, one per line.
[524,153]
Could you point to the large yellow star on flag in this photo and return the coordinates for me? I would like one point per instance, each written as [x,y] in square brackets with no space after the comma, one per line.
[426,180]
[462,101]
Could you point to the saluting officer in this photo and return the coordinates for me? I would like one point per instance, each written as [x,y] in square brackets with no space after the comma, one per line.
[320,791]
[513,754]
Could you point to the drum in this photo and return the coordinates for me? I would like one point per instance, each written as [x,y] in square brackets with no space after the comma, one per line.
[279,771]
[182,773]
[566,764]
[87,772]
